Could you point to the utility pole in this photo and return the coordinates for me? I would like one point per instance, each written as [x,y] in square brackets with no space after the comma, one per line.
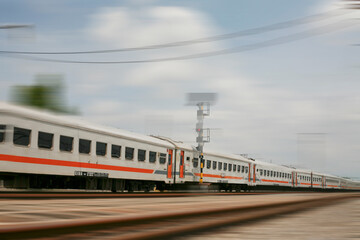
[203,102]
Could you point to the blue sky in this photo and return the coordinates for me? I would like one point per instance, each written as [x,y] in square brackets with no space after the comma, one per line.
[266,96]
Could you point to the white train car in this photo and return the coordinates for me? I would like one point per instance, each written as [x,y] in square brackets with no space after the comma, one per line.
[303,178]
[39,143]
[332,182]
[225,170]
[271,175]
[348,184]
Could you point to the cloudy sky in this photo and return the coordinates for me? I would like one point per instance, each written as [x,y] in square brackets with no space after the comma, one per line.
[291,98]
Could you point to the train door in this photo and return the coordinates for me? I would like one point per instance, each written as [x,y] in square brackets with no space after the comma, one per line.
[182,165]
[170,163]
[254,174]
[249,176]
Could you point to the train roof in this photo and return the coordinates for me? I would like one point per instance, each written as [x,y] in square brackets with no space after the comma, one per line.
[76,122]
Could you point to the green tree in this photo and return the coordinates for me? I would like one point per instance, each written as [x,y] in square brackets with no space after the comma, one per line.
[46,93]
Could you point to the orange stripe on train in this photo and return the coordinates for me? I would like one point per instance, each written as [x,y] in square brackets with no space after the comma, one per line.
[43,161]
[218,176]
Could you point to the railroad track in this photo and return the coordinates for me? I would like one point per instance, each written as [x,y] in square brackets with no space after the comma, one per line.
[166,226]
[30,195]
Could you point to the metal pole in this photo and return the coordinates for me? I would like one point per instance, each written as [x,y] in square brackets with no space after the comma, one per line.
[200,139]
[202,100]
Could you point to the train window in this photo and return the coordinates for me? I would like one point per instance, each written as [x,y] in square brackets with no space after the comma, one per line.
[162,158]
[242,169]
[187,158]
[268,173]
[45,140]
[129,153]
[234,168]
[115,151]
[214,164]
[66,143]
[195,162]
[261,172]
[246,169]
[152,156]
[277,174]
[84,146]
[169,159]
[225,166]
[220,165]
[101,148]
[238,168]
[208,164]
[2,132]
[141,155]
[21,136]
[230,167]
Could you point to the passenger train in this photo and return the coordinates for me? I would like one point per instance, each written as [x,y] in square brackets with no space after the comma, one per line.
[39,149]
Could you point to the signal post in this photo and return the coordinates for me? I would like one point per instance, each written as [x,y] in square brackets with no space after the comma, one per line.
[203,102]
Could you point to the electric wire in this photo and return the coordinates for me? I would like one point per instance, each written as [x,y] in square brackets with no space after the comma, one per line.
[272,42]
[237,34]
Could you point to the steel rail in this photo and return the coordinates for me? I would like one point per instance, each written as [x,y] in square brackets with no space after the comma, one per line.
[165,226]
[30,195]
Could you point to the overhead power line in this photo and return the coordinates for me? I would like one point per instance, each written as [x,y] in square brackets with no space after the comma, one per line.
[237,34]
[272,42]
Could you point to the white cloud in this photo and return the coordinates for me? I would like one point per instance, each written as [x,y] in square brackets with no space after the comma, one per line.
[126,27]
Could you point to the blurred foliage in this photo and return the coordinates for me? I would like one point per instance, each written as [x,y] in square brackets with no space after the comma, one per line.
[46,93]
